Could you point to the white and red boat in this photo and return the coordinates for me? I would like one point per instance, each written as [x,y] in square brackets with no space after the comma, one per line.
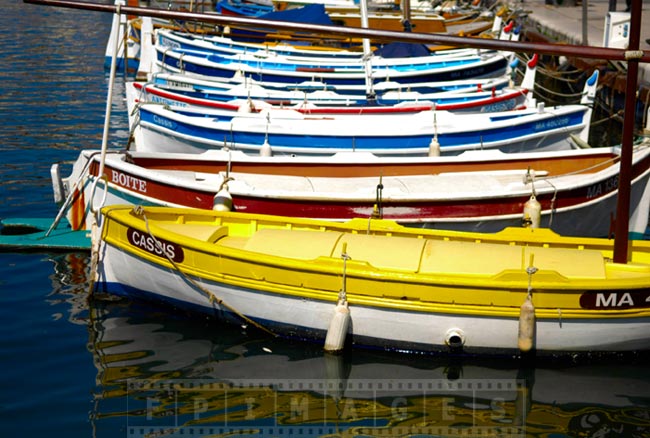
[479,191]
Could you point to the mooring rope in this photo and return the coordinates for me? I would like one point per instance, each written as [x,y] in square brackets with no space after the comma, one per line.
[554,74]
[139,211]
[557,93]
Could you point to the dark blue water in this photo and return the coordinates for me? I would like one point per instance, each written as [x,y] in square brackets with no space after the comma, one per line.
[72,364]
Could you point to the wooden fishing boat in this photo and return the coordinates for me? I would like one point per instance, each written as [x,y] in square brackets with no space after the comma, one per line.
[333,103]
[418,22]
[425,69]
[274,60]
[481,191]
[254,99]
[226,46]
[375,284]
[320,90]
[281,132]
[193,129]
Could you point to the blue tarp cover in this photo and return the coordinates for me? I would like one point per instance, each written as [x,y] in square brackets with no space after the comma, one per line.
[402,50]
[310,14]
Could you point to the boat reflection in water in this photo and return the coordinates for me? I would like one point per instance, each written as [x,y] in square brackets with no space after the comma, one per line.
[70,285]
[161,373]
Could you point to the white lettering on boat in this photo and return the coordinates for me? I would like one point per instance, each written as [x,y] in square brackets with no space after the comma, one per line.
[165,101]
[156,246]
[128,181]
[163,122]
[466,73]
[165,42]
[609,185]
[603,300]
[558,122]
[615,300]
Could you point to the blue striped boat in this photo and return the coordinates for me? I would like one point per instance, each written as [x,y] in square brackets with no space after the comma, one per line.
[293,74]
[290,132]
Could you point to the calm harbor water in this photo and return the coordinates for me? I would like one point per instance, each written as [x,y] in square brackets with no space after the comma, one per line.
[77,365]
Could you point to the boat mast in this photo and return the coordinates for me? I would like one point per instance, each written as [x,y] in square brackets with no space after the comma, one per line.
[406,15]
[367,54]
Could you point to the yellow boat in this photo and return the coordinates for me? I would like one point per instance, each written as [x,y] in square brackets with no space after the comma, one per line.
[374,283]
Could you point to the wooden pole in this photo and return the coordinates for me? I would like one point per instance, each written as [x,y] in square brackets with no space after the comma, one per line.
[621,229]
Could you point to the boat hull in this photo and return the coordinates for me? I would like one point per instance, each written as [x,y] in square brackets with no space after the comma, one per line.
[301,303]
[468,198]
[492,65]
[306,319]
[164,130]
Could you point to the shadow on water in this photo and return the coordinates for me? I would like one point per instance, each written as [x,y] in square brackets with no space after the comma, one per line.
[165,373]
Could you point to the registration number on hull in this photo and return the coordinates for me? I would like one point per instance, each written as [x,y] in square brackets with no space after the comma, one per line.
[603,300]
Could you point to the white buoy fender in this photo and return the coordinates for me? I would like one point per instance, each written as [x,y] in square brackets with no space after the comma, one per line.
[338,329]
[532,213]
[434,147]
[265,149]
[526,325]
[222,200]
[57,184]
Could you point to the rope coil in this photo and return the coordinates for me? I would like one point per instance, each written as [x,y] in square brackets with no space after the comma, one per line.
[633,54]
